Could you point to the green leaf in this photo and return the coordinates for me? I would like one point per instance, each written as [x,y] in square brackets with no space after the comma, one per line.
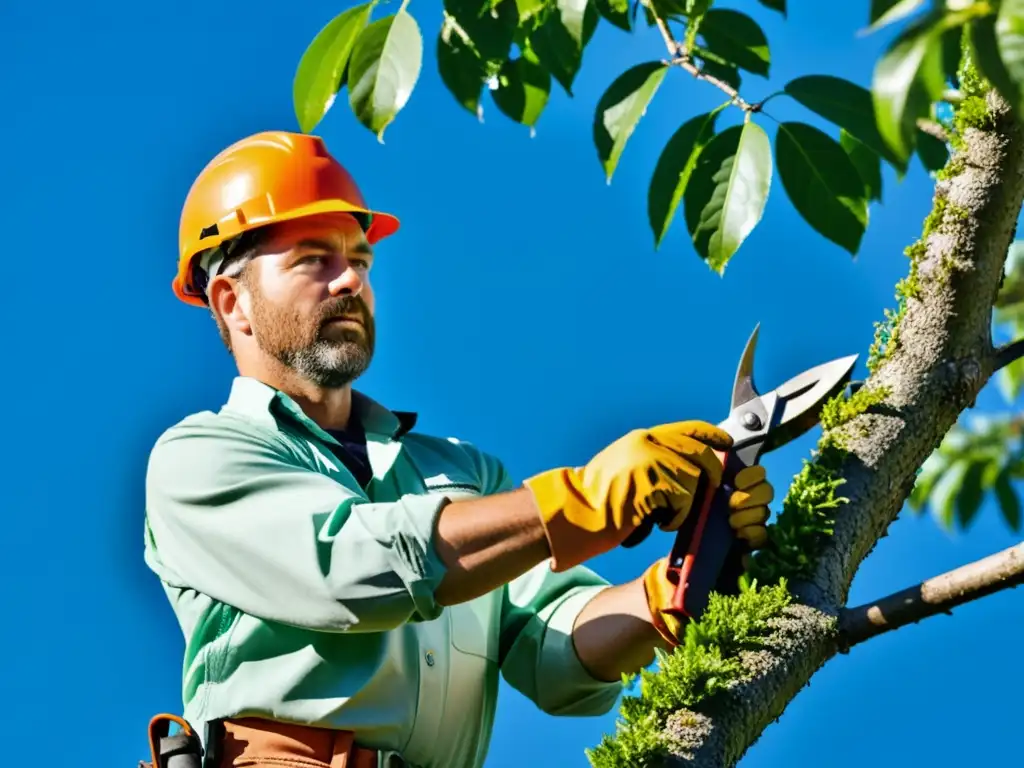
[528,9]
[672,172]
[616,12]
[846,104]
[775,5]
[1010,379]
[462,71]
[866,161]
[931,471]
[560,40]
[884,12]
[383,70]
[322,66]
[997,45]
[944,493]
[620,108]
[907,78]
[1010,38]
[672,9]
[718,67]
[737,38]
[952,52]
[523,90]
[727,192]
[822,183]
[968,500]
[1009,502]
[489,26]
[932,152]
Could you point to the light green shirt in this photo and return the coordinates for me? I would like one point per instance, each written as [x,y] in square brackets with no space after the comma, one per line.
[306,599]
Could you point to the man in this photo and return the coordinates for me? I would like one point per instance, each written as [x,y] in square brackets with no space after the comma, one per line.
[349,589]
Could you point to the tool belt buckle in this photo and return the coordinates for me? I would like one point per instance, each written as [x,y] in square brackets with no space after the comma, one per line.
[182,750]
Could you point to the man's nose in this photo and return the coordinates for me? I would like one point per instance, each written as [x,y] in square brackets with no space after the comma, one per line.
[347,283]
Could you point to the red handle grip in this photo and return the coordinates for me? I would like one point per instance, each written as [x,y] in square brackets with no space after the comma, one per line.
[706,547]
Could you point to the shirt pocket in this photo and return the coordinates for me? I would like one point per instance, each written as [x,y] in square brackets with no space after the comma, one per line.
[474,626]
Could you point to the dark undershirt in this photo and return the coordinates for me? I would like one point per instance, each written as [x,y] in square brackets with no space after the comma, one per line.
[352,452]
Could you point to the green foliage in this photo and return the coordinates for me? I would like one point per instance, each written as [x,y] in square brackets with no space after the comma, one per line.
[323,65]
[706,663]
[884,12]
[515,49]
[737,39]
[524,87]
[383,69]
[1009,316]
[986,454]
[671,175]
[620,109]
[846,104]
[727,192]
[867,162]
[823,183]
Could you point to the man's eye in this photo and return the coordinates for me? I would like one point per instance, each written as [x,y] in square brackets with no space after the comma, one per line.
[359,263]
[313,258]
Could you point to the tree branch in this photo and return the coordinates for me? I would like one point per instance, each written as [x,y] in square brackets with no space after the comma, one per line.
[939,358]
[682,58]
[932,128]
[1007,353]
[940,594]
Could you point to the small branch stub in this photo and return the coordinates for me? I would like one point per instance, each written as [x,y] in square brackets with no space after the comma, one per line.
[1008,353]
[940,594]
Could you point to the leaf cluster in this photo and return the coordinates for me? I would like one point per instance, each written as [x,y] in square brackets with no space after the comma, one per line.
[984,456]
[721,176]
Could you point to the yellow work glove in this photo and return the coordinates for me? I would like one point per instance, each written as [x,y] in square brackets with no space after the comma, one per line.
[748,506]
[592,509]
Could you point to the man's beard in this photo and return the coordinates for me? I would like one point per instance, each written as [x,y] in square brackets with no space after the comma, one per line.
[332,360]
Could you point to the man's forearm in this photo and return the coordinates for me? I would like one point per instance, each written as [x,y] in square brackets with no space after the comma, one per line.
[486,543]
[614,634]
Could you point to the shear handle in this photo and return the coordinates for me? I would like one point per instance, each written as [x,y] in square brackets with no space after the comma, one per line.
[706,548]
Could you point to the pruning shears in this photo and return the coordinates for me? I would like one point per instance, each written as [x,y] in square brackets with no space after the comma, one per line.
[706,551]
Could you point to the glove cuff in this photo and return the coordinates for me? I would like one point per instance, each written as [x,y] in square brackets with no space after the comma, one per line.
[575,530]
[655,583]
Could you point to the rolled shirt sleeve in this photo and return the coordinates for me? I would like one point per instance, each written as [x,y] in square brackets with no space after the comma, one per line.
[539,609]
[234,514]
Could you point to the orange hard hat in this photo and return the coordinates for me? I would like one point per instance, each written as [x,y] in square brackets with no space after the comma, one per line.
[265,178]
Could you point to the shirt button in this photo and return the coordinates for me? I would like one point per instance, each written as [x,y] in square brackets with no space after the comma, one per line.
[430,658]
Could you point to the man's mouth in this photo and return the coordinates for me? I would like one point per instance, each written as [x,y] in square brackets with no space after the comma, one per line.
[345,319]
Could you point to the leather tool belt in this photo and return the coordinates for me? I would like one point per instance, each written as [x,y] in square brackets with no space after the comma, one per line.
[244,742]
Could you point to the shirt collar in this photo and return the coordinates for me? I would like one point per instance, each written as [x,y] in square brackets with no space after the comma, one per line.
[257,400]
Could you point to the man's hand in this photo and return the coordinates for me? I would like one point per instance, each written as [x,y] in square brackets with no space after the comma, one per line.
[589,510]
[748,514]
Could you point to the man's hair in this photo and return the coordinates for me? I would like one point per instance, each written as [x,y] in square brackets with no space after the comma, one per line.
[238,253]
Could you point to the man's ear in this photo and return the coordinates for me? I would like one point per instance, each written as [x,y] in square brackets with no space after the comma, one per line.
[231,301]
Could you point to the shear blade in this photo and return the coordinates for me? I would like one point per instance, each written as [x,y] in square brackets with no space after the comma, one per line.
[803,396]
[743,389]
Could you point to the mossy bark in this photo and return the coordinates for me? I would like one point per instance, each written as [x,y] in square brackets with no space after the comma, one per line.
[942,356]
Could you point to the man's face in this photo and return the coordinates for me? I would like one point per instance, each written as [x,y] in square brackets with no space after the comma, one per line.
[311,300]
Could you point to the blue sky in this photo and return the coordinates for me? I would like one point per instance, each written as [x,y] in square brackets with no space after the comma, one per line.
[522,307]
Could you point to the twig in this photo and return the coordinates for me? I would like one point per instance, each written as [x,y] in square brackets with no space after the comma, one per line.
[936,595]
[682,58]
[1007,353]
[932,128]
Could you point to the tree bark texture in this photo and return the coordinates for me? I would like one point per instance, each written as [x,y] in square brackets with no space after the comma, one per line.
[943,358]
